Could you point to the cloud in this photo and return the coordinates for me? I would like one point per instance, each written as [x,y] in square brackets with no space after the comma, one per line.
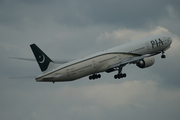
[92,101]
[129,99]
[171,21]
[77,28]
[168,77]
[127,35]
[79,13]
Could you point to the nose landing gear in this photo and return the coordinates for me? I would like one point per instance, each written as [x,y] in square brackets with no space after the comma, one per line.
[163,56]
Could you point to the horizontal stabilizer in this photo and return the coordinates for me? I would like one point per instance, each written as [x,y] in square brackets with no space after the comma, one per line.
[25,77]
[31,59]
[52,78]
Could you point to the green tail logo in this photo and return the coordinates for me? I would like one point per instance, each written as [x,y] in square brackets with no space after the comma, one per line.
[42,59]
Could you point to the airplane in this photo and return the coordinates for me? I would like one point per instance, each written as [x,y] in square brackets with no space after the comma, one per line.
[139,52]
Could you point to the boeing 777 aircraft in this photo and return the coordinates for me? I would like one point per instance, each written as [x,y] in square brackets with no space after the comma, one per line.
[139,52]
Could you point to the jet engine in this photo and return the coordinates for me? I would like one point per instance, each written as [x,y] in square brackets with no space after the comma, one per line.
[146,62]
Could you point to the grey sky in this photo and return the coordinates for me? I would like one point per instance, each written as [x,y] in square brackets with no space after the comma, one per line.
[71,29]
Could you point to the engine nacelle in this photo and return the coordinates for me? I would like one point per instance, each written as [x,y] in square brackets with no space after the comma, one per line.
[146,62]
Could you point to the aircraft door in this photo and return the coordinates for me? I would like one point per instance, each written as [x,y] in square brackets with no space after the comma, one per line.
[68,72]
[147,46]
[120,57]
[94,64]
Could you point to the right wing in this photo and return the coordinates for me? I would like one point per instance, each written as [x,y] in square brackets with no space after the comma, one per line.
[130,60]
[31,59]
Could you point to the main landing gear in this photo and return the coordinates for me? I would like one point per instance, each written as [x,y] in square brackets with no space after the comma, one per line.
[163,56]
[120,74]
[94,76]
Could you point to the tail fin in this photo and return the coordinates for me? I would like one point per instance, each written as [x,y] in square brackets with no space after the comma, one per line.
[44,62]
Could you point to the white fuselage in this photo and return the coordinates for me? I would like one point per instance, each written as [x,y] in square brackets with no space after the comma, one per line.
[100,62]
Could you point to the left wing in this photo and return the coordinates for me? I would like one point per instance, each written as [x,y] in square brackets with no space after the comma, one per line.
[30,59]
[130,60]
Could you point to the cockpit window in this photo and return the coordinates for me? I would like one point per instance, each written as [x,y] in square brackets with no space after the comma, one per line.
[168,39]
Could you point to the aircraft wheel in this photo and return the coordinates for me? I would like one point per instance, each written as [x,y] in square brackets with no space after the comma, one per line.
[115,76]
[95,76]
[124,75]
[118,76]
[99,76]
[163,56]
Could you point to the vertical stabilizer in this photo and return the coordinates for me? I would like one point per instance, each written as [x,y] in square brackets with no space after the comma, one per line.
[44,62]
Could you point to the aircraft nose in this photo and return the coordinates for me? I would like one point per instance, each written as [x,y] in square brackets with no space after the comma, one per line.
[170,40]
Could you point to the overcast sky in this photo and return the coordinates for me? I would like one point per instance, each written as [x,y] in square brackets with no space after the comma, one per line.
[70,29]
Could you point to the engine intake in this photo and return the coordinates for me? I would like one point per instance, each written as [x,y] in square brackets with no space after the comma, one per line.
[146,62]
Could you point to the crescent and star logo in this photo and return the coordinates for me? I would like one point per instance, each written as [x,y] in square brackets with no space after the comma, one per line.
[41,59]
